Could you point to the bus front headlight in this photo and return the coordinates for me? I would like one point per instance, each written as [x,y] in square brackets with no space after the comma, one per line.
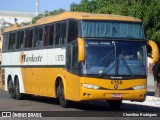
[90,86]
[140,87]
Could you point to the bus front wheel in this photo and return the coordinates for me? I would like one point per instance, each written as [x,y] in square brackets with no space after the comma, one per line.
[115,104]
[60,94]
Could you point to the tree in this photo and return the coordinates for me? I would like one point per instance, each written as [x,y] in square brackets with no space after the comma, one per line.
[24,23]
[47,13]
[36,18]
[6,25]
[56,12]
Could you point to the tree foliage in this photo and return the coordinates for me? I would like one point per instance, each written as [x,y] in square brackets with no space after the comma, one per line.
[147,10]
[47,13]
[5,25]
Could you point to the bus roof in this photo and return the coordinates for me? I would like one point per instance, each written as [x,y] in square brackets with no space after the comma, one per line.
[78,16]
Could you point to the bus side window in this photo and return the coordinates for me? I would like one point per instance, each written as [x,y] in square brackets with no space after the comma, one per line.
[63,33]
[75,59]
[51,34]
[72,31]
[30,38]
[10,41]
[26,38]
[5,41]
[40,36]
[18,40]
[13,41]
[46,35]
[58,28]
[21,39]
[68,58]
[36,37]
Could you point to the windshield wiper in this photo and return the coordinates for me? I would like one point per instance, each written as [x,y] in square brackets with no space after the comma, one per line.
[109,54]
[128,68]
[102,72]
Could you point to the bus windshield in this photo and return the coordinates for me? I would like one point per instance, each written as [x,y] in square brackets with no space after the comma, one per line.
[108,29]
[115,58]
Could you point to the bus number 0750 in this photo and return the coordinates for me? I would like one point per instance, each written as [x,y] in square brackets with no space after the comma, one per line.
[60,58]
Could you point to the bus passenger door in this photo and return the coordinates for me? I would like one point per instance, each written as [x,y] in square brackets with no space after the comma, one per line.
[73,71]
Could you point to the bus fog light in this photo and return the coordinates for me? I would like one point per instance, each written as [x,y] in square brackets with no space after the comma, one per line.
[90,86]
[140,87]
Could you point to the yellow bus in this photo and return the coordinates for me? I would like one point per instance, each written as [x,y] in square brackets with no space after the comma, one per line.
[77,56]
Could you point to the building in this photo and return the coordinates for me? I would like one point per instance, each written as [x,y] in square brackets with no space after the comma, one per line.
[11,17]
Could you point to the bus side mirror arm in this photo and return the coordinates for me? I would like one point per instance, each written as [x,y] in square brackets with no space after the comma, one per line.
[155,51]
[81,50]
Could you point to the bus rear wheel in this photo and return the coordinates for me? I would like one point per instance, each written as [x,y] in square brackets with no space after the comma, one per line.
[11,89]
[60,95]
[19,95]
[115,104]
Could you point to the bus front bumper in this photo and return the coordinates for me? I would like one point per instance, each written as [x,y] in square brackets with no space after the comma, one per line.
[132,95]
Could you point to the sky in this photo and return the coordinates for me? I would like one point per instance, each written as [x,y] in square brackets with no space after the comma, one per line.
[29,5]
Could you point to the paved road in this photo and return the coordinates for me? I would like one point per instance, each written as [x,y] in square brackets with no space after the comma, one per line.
[49,104]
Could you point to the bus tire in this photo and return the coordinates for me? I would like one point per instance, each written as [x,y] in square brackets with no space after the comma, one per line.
[11,89]
[19,95]
[60,94]
[115,104]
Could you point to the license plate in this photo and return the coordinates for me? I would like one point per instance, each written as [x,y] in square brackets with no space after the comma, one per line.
[116,95]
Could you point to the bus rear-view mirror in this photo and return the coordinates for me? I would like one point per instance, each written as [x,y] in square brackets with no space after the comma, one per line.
[155,51]
[81,50]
